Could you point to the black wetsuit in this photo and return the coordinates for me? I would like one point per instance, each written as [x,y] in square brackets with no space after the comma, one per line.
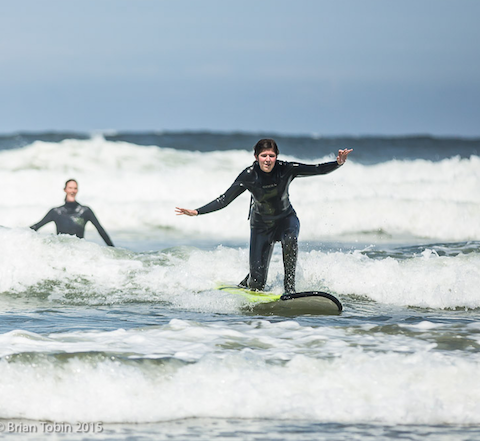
[71,219]
[272,217]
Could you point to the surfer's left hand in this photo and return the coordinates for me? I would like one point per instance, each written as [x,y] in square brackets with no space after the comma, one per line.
[342,156]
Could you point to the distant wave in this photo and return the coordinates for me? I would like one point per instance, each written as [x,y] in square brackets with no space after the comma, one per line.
[368,149]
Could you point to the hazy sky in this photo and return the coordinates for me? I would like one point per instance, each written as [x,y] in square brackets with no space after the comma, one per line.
[334,67]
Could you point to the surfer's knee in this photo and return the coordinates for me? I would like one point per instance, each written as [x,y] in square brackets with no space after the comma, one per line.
[290,238]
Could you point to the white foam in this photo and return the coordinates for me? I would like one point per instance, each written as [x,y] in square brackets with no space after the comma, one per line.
[433,282]
[71,270]
[272,377]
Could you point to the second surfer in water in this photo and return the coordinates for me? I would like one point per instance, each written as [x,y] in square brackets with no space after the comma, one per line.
[272,217]
[71,217]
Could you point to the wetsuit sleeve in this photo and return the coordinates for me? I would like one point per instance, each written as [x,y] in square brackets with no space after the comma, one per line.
[312,170]
[236,189]
[49,217]
[93,219]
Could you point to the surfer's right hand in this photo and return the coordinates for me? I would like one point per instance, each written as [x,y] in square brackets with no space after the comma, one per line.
[186,211]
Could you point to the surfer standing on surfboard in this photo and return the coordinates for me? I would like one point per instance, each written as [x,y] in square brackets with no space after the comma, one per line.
[71,217]
[272,217]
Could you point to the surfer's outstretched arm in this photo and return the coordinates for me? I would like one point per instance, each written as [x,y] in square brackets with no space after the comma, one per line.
[236,189]
[299,169]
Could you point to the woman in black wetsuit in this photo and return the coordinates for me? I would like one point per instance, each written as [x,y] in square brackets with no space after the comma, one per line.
[71,217]
[272,217]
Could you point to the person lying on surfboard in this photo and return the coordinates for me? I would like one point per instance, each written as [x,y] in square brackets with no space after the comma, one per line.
[71,217]
[272,217]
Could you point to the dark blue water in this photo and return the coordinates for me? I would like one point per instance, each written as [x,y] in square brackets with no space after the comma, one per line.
[368,149]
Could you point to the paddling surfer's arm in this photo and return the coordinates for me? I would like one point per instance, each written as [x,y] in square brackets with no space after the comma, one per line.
[93,219]
[50,217]
[236,189]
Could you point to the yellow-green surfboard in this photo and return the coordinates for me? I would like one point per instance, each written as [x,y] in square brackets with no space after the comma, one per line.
[309,302]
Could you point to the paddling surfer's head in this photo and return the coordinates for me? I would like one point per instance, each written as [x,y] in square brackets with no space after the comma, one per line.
[71,189]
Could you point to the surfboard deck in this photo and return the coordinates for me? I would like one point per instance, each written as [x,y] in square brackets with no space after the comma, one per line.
[308,302]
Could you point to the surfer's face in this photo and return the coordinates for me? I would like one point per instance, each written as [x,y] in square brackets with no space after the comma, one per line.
[71,189]
[266,160]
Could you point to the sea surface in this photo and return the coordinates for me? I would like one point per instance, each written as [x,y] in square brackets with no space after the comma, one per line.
[135,342]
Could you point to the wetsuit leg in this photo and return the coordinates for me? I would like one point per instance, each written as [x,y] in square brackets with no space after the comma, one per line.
[261,249]
[262,241]
[288,236]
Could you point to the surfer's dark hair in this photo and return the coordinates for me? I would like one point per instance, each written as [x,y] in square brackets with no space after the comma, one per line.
[265,144]
[70,180]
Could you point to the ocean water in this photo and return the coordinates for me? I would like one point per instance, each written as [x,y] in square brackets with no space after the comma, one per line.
[135,342]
